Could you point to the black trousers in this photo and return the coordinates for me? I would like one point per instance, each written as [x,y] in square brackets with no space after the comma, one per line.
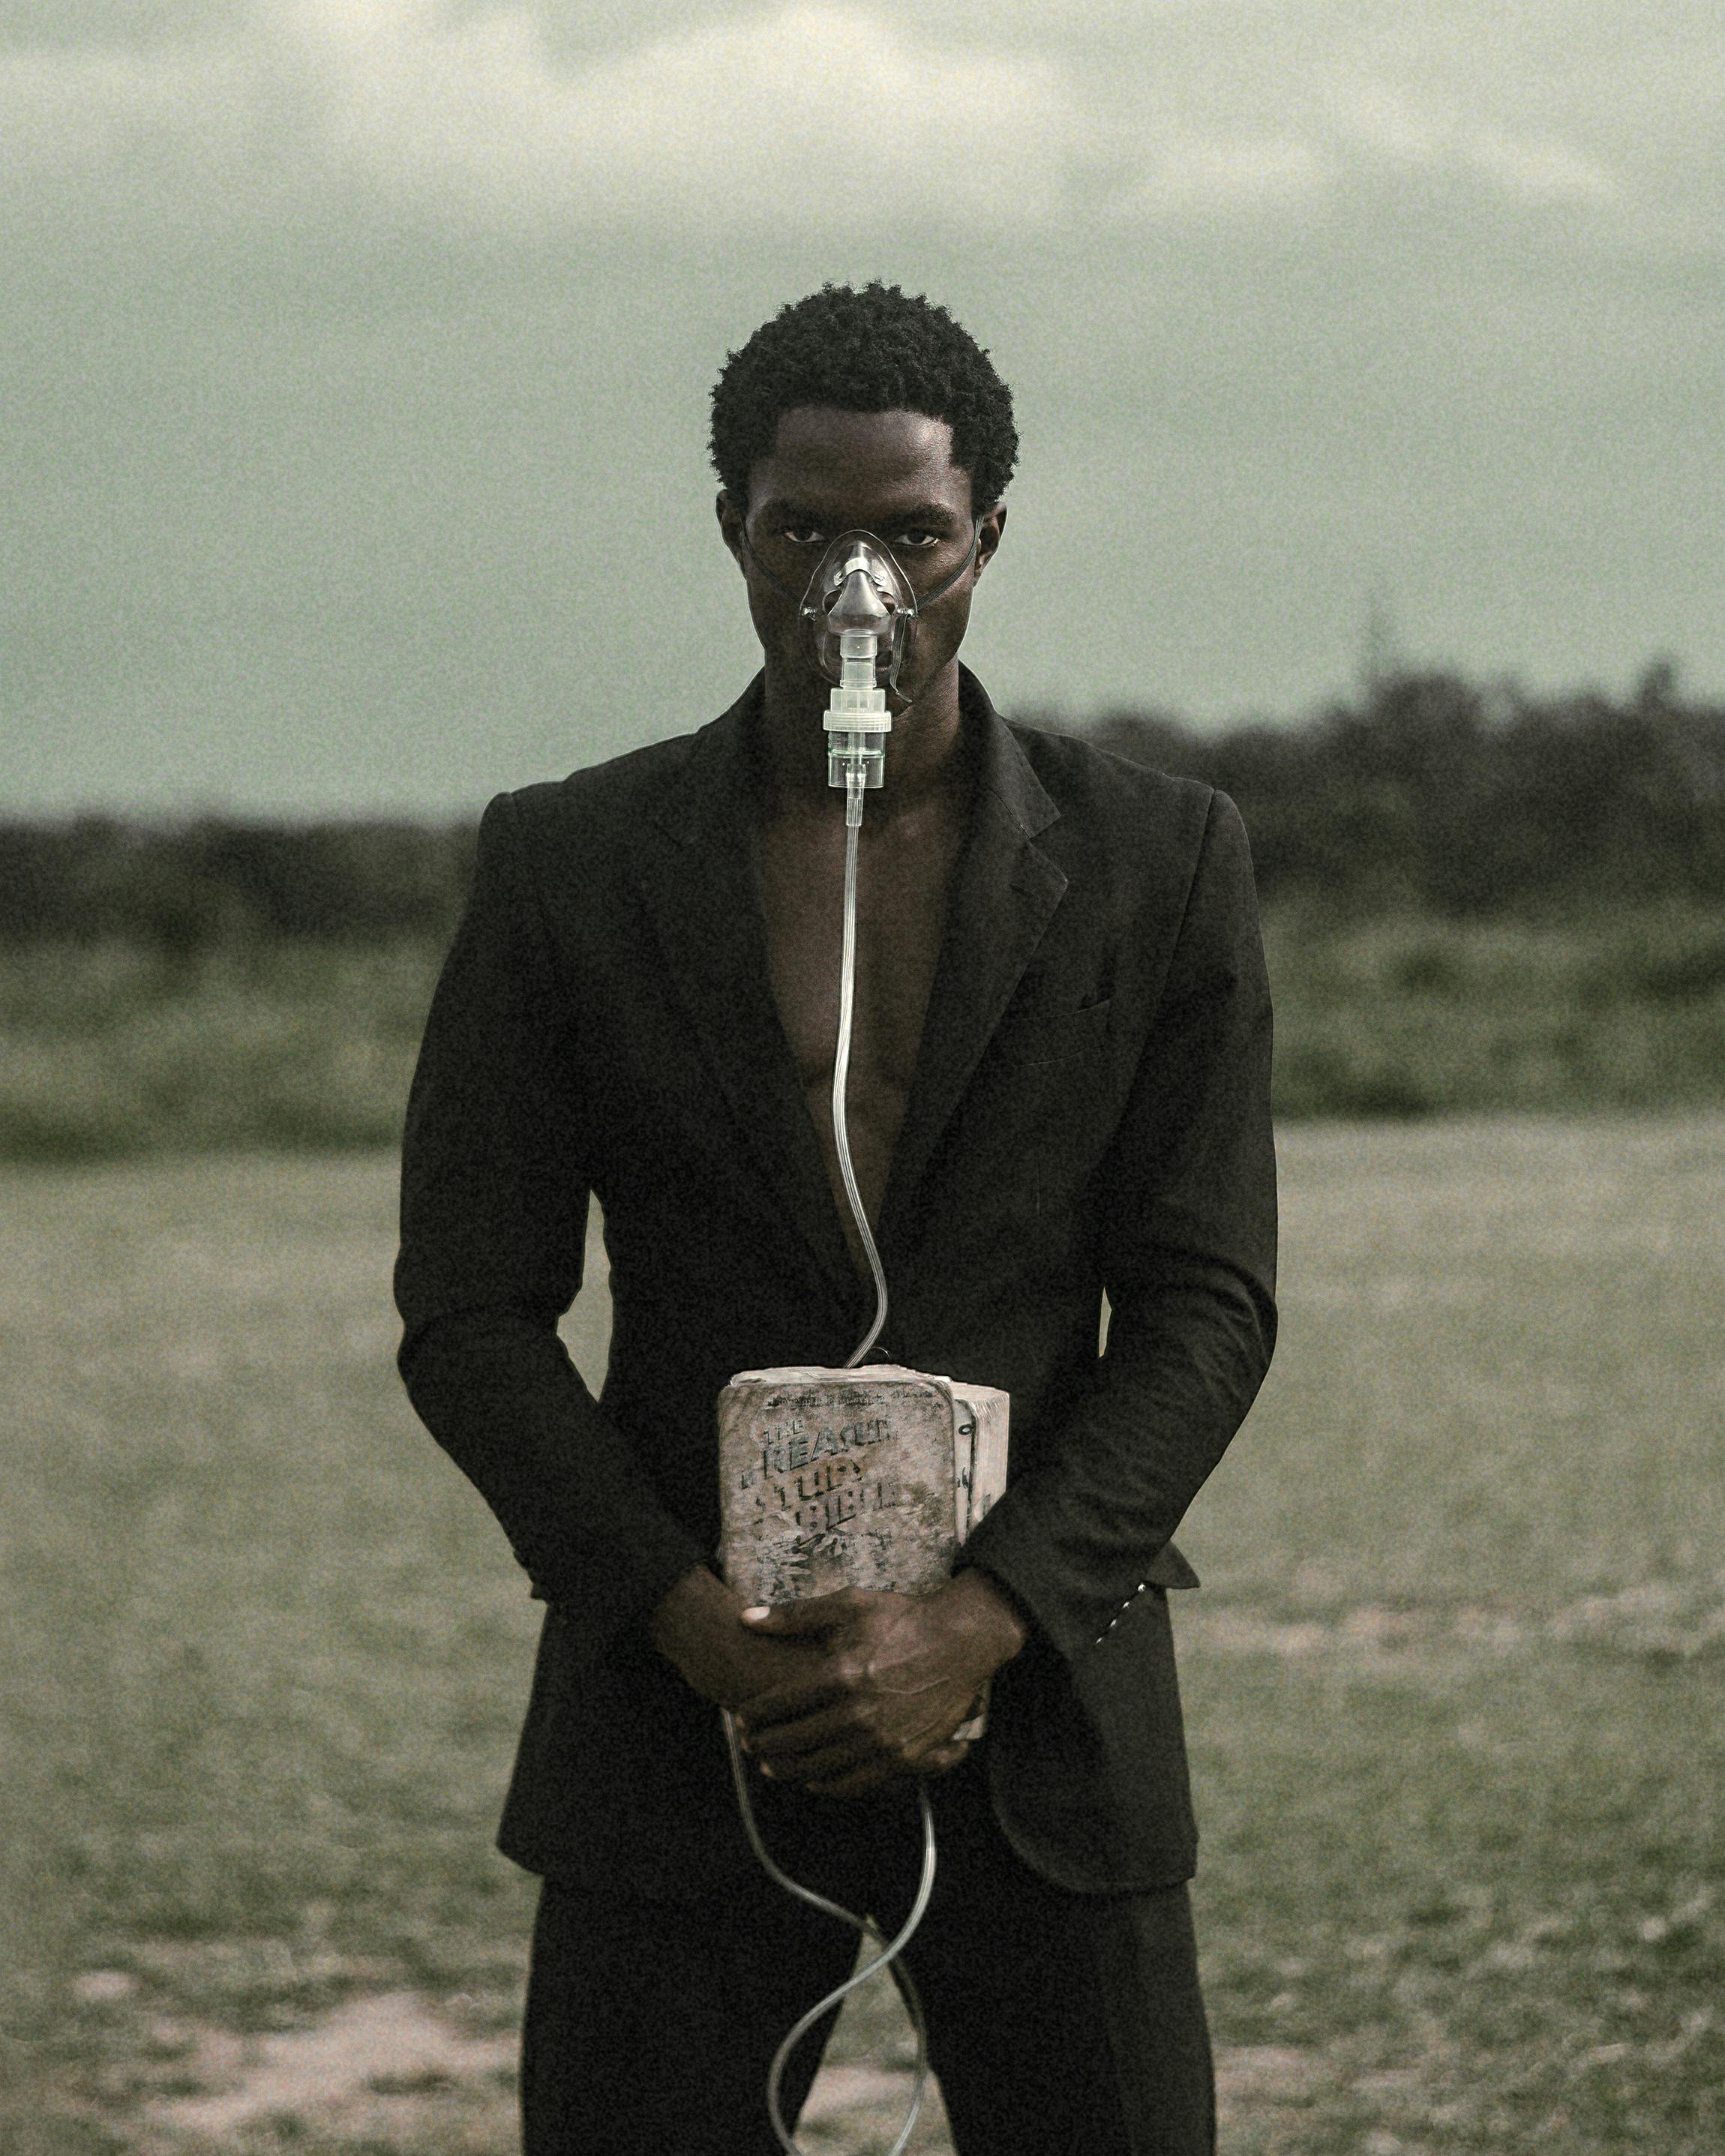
[1057,2022]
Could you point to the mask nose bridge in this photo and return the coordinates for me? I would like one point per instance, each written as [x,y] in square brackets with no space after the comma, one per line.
[858,603]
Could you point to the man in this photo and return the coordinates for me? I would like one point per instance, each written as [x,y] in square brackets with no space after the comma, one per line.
[1059,1087]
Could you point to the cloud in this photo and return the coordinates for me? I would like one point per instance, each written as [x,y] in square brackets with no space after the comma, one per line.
[1430,134]
[767,120]
[824,116]
[1176,173]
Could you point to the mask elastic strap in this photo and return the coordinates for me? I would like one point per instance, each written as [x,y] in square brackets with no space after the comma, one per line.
[927,598]
[761,568]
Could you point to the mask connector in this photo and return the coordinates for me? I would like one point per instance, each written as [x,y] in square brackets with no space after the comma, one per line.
[860,600]
[857,720]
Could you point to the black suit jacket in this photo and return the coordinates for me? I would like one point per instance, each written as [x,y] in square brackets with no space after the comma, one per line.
[1090,1111]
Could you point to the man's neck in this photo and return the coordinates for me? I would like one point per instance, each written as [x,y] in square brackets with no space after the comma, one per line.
[927,755]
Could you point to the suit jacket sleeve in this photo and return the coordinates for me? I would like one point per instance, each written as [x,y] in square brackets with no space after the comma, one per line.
[494,1219]
[1188,1248]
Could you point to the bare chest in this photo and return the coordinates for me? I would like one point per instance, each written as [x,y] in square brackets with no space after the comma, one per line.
[904,878]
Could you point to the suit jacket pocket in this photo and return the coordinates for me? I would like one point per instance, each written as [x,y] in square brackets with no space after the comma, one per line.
[1030,1039]
[1087,1761]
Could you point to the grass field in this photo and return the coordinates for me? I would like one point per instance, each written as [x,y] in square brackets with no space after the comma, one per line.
[1455,1684]
[111,1051]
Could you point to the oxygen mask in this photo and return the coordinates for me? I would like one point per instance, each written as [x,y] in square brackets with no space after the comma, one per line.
[859,611]
[858,590]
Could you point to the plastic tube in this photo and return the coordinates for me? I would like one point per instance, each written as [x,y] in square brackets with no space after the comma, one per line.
[890,1951]
[841,1067]
[855,782]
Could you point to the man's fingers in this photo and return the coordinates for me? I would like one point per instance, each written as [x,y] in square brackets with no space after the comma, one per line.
[826,1761]
[789,1745]
[772,1742]
[876,1774]
[838,1761]
[944,1758]
[790,1621]
[787,1702]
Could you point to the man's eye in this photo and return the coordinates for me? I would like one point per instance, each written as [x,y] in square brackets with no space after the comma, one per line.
[803,535]
[919,538]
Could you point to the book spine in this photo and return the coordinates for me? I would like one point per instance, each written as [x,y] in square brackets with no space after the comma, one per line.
[981,1417]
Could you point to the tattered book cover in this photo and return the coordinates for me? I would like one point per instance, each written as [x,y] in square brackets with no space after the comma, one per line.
[838,1478]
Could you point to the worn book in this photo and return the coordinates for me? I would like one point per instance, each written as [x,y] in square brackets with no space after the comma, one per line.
[867,1478]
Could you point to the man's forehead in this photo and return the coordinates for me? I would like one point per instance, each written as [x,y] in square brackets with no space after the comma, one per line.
[818,451]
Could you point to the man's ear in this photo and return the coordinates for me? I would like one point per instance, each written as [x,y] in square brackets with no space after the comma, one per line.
[730,516]
[987,537]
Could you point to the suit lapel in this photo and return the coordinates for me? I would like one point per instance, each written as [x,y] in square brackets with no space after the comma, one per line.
[1004,894]
[698,883]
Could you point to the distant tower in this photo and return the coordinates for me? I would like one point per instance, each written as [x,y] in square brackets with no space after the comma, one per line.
[1380,659]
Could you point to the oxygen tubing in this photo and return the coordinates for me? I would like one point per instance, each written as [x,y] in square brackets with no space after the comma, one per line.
[890,1949]
[866,1926]
[841,1067]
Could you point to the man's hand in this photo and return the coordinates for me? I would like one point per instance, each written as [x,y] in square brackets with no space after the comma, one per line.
[699,1628]
[891,1677]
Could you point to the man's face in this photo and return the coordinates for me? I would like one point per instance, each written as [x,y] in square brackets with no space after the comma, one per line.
[891,473]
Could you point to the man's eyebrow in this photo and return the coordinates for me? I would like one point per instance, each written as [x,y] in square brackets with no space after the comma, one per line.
[927,512]
[778,505]
[920,512]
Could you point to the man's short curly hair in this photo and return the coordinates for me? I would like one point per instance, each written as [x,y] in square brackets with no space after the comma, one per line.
[877,349]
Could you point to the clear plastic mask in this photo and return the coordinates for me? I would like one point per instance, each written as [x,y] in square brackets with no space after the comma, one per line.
[858,584]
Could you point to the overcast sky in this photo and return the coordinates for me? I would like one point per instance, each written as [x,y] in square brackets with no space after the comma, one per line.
[356,354]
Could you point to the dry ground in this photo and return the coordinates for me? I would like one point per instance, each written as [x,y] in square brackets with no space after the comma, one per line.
[1455,1681]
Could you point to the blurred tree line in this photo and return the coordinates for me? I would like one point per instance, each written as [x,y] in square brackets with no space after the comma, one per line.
[1473,901]
[1431,795]
[222,880]
[1436,795]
